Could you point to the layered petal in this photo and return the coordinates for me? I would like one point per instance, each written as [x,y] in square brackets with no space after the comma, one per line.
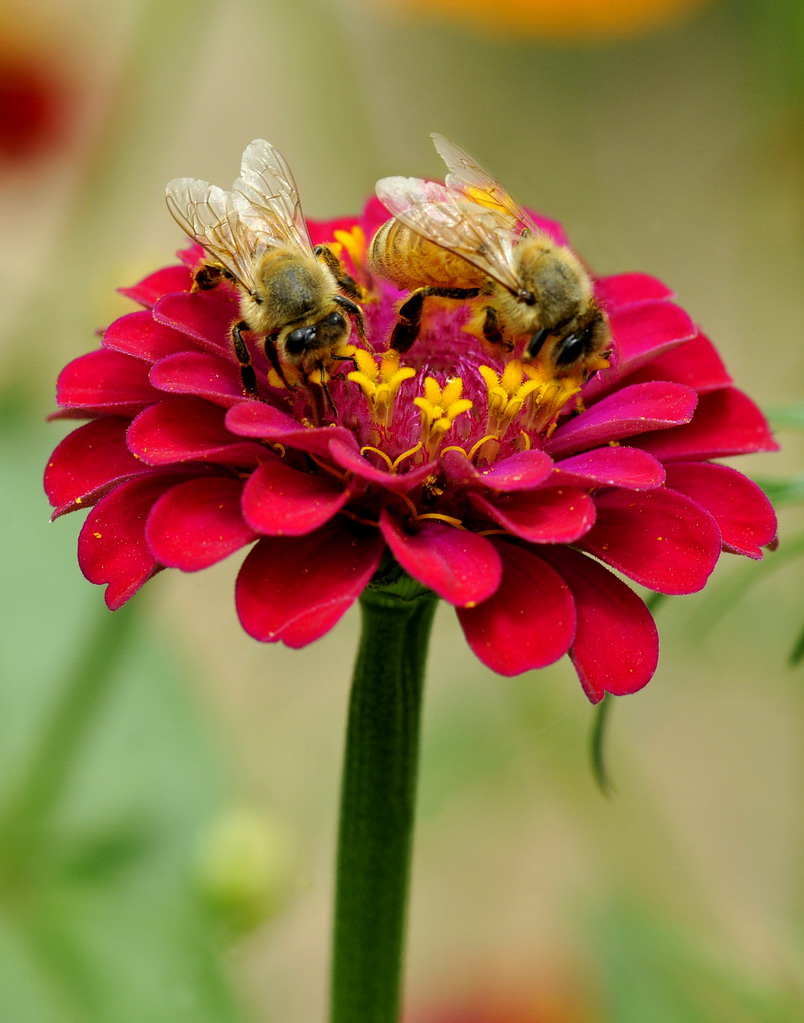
[561,515]
[629,468]
[200,374]
[744,515]
[294,589]
[189,429]
[616,644]
[105,382]
[279,500]
[626,413]
[112,549]
[524,470]
[462,567]
[198,523]
[528,623]
[658,538]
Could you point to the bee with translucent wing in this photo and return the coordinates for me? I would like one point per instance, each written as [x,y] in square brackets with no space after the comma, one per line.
[297,297]
[469,238]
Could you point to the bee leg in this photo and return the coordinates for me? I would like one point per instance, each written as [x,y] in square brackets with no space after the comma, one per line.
[357,315]
[247,374]
[492,331]
[409,321]
[273,358]
[345,281]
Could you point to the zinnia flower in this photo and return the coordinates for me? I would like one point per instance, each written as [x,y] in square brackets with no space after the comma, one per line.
[519,505]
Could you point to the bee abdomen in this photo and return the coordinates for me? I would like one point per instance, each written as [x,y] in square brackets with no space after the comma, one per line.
[409,260]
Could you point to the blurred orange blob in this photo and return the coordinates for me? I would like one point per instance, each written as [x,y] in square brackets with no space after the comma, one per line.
[33,106]
[568,20]
[548,1006]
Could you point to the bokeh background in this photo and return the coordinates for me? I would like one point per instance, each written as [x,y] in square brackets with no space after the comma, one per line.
[168,787]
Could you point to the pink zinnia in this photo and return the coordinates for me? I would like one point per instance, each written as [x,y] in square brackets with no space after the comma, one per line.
[449,461]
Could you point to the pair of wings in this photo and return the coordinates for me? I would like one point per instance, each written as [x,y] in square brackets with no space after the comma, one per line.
[471,214]
[261,211]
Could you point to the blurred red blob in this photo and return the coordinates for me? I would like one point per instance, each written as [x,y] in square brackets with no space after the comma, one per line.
[33,106]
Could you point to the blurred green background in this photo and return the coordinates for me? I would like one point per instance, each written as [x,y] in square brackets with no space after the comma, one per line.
[168,787]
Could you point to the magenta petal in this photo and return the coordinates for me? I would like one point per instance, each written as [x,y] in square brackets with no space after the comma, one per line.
[198,523]
[257,419]
[188,429]
[529,622]
[206,376]
[462,567]
[543,516]
[658,538]
[629,289]
[112,547]
[726,422]
[348,457]
[140,336]
[281,501]
[294,589]
[625,413]
[522,471]
[105,381]
[642,331]
[206,316]
[696,363]
[630,468]
[616,645]
[163,282]
[743,513]
[90,458]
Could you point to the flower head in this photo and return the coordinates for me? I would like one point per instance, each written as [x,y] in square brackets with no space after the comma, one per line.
[510,495]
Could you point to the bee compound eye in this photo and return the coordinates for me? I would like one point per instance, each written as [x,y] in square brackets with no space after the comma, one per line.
[536,343]
[335,320]
[299,340]
[573,346]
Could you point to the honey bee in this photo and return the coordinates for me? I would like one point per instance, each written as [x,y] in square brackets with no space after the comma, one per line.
[469,238]
[291,294]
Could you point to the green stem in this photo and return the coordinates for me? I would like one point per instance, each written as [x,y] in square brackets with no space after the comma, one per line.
[377,803]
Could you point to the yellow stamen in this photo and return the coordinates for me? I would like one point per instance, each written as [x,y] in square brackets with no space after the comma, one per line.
[354,242]
[444,518]
[279,449]
[440,407]
[404,455]
[328,468]
[506,395]
[382,454]
[380,383]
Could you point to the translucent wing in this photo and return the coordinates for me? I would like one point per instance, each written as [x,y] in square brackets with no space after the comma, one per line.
[273,209]
[213,217]
[469,178]
[479,234]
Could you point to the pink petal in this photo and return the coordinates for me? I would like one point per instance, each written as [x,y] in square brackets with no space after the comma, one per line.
[257,419]
[642,331]
[743,513]
[206,376]
[625,413]
[205,316]
[659,538]
[112,547]
[188,429]
[529,622]
[294,589]
[522,471]
[139,335]
[198,523]
[726,422]
[616,645]
[281,501]
[89,459]
[348,456]
[543,516]
[105,381]
[163,282]
[623,290]
[462,567]
[630,468]
[696,363]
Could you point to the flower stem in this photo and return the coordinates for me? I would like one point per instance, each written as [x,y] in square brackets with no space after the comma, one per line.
[377,803]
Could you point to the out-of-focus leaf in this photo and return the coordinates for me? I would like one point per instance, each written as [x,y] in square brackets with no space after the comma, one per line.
[100,919]
[784,492]
[791,416]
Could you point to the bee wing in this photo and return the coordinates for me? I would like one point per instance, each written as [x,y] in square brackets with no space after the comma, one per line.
[273,208]
[211,216]
[478,234]
[468,177]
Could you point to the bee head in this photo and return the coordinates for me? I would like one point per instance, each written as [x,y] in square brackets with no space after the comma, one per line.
[322,335]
